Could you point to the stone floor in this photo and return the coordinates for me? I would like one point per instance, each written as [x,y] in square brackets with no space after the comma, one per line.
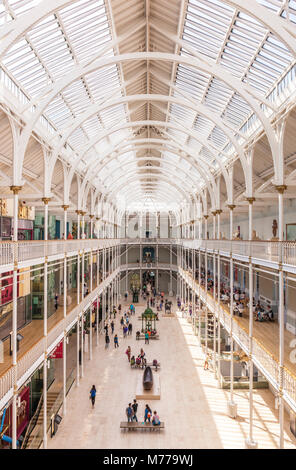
[193,408]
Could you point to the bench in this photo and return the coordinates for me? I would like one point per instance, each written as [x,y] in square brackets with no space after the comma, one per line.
[150,364]
[150,337]
[144,426]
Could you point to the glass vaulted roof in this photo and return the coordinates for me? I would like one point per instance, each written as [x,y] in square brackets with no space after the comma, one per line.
[147,99]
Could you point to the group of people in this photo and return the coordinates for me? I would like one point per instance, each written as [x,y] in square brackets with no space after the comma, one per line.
[132,408]
[131,413]
[140,360]
[241,302]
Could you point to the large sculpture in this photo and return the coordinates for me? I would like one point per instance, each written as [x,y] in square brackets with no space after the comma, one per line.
[147,378]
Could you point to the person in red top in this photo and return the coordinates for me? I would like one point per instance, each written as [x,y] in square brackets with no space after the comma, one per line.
[70,236]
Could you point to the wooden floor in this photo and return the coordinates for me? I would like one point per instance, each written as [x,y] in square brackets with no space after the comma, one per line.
[33,332]
[266,333]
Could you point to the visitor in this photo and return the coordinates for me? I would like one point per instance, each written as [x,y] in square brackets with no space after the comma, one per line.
[116,345]
[206,364]
[146,338]
[128,353]
[133,361]
[142,358]
[126,295]
[93,393]
[119,308]
[70,236]
[155,419]
[121,321]
[56,304]
[125,330]
[107,341]
[148,414]
[129,413]
[135,409]
[130,328]
[112,327]
[270,313]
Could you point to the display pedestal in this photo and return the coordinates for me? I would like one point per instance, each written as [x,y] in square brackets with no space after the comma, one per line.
[232,409]
[153,394]
[251,444]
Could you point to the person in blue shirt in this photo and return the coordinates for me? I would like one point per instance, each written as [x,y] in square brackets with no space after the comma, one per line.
[148,414]
[93,393]
[129,413]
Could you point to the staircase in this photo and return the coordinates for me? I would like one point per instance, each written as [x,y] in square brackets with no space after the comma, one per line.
[35,438]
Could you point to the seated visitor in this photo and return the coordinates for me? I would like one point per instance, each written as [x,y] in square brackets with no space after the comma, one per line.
[155,419]
[270,313]
[235,308]
[236,296]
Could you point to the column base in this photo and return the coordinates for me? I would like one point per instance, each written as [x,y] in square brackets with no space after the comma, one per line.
[251,444]
[232,409]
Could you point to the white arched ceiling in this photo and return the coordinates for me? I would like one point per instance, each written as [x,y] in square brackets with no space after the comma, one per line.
[147,92]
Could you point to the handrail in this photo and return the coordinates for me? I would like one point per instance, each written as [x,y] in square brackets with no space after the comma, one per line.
[32,423]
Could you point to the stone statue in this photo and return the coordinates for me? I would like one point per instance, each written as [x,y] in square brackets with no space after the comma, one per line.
[274,228]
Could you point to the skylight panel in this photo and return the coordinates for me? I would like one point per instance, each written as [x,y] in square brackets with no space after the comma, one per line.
[218,137]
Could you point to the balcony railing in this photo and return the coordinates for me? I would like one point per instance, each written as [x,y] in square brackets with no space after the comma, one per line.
[30,250]
[24,251]
[272,251]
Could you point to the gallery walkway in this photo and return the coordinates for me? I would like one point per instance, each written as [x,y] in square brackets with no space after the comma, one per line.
[193,408]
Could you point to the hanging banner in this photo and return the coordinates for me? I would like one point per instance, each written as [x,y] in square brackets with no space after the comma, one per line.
[58,351]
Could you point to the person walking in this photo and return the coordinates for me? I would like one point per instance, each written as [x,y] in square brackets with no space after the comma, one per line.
[128,353]
[116,345]
[112,327]
[56,304]
[107,341]
[93,393]
[130,329]
[148,414]
[129,413]
[135,409]
[146,338]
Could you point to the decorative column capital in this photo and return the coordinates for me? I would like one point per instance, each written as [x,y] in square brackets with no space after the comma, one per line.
[281,188]
[250,199]
[15,189]
[91,216]
[206,217]
[214,213]
[97,218]
[65,207]
[82,213]
[231,206]
[78,212]
[46,200]
[219,211]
